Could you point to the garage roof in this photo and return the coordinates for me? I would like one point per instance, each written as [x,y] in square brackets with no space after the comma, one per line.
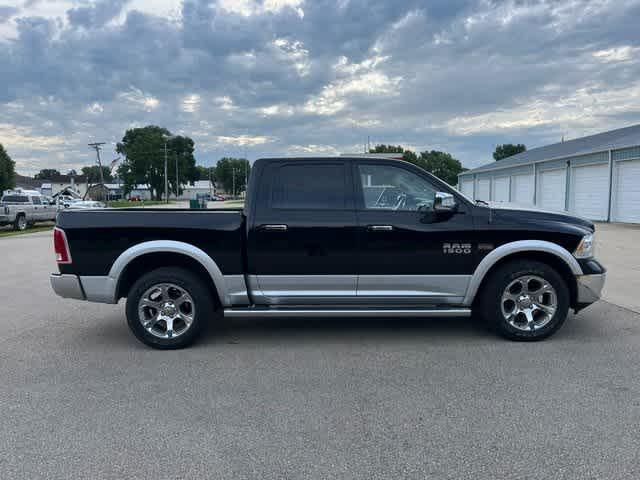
[613,139]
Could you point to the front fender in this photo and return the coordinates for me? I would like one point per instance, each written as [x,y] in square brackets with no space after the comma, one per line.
[516,247]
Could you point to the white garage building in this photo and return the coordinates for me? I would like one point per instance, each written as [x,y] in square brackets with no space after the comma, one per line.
[596,177]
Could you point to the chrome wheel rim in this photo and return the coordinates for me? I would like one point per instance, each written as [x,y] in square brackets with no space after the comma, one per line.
[166,310]
[529,303]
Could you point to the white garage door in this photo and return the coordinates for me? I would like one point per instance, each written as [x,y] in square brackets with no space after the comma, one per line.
[500,191]
[589,192]
[466,187]
[522,189]
[484,190]
[626,207]
[552,189]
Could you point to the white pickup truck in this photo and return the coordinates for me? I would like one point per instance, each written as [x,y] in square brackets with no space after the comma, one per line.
[22,209]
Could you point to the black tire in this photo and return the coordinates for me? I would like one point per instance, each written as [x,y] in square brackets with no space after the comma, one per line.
[203,304]
[20,223]
[490,307]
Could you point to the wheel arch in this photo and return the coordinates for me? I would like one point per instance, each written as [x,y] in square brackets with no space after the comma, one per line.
[146,256]
[552,254]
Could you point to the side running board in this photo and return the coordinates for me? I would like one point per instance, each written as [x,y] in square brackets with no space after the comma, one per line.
[263,312]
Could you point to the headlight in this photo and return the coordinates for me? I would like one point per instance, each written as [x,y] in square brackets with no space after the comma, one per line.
[586,247]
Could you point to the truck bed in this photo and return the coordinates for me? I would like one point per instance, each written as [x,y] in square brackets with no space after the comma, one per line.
[218,232]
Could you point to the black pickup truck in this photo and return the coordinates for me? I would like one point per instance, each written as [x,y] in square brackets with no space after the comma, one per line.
[326,237]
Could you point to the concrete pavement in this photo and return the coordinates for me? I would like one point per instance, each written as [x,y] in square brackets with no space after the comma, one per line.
[323,398]
[618,248]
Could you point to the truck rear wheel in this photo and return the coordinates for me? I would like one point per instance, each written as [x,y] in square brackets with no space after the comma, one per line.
[168,308]
[20,223]
[524,300]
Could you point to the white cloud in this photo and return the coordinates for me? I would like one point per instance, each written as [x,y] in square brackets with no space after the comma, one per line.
[191,103]
[294,52]
[95,108]
[584,108]
[344,66]
[334,97]
[312,149]
[142,100]
[277,110]
[252,7]
[17,137]
[617,54]
[244,140]
[225,103]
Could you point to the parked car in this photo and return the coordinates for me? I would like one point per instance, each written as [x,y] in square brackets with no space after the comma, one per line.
[347,237]
[85,204]
[67,200]
[22,209]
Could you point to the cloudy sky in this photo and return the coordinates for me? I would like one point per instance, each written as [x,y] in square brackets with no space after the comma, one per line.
[291,77]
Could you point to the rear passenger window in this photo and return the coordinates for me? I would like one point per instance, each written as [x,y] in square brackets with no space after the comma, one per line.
[36,200]
[15,199]
[310,186]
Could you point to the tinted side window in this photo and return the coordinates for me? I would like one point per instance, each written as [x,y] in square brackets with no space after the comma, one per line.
[36,200]
[15,199]
[387,187]
[310,186]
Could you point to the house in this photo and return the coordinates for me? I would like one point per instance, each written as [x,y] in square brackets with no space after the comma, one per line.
[105,192]
[199,187]
[55,185]
[27,183]
[595,177]
[140,192]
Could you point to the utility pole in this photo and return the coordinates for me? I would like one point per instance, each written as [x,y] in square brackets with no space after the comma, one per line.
[246,172]
[166,181]
[97,146]
[246,176]
[210,193]
[233,173]
[177,188]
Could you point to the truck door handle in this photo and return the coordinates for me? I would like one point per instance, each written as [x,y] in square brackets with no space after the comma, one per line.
[380,228]
[274,228]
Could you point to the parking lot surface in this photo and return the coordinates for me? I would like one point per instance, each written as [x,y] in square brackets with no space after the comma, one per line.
[335,398]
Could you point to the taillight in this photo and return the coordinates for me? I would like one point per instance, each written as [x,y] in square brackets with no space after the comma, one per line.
[61,246]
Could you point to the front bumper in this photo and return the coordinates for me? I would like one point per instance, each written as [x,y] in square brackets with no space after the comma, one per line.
[67,286]
[590,288]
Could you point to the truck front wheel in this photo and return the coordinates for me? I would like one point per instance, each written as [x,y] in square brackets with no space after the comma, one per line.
[168,308]
[524,300]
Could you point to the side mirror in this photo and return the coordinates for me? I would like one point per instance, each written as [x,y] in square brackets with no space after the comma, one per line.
[444,203]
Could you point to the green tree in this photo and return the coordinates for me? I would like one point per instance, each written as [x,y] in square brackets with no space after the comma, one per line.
[47,174]
[442,165]
[228,169]
[205,173]
[382,148]
[93,174]
[508,150]
[144,151]
[7,171]
[407,155]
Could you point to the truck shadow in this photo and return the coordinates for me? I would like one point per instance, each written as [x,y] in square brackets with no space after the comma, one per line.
[342,329]
[294,331]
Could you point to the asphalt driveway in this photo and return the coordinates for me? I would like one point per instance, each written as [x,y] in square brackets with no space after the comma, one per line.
[81,398]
